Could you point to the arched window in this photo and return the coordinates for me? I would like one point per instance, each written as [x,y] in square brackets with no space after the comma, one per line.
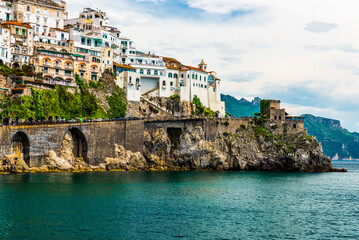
[156,72]
[141,71]
[175,75]
[170,75]
[148,72]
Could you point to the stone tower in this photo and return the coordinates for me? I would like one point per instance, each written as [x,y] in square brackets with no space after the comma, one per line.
[202,66]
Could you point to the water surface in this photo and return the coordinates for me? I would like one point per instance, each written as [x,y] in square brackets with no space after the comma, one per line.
[186,205]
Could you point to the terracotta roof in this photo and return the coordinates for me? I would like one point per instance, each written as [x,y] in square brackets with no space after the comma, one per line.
[17,24]
[123,66]
[197,69]
[59,29]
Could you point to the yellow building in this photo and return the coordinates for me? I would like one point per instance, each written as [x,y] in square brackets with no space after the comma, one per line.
[40,14]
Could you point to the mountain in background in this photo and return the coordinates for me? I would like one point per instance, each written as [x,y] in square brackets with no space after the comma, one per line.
[337,142]
[242,107]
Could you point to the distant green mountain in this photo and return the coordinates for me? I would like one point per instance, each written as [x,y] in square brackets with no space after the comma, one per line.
[242,107]
[337,142]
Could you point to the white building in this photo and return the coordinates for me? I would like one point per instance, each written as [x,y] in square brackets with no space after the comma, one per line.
[130,81]
[152,71]
[5,45]
[5,11]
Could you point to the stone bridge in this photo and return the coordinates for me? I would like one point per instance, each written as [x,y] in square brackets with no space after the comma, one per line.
[94,141]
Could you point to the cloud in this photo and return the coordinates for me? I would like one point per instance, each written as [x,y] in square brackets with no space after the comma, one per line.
[258,47]
[320,27]
[243,76]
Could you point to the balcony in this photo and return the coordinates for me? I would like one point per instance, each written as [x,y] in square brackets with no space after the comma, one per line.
[82,68]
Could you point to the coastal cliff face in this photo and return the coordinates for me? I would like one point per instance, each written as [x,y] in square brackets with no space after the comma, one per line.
[244,150]
[252,147]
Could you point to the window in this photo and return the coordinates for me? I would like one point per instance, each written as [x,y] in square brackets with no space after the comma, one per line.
[201,85]
[109,54]
[187,75]
[46,69]
[156,72]
[17,31]
[57,71]
[280,117]
[275,117]
[171,84]
[137,81]
[37,19]
[175,75]
[294,126]
[194,85]
[23,32]
[28,8]
[204,79]
[170,75]
[129,80]
[192,75]
[88,42]
[94,77]
[62,36]
[182,76]
[57,23]
[58,13]
[200,78]
[205,86]
[196,76]
[148,72]
[45,21]
[214,89]
[141,71]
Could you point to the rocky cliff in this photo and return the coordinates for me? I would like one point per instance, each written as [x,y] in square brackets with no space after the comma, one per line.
[253,147]
[247,149]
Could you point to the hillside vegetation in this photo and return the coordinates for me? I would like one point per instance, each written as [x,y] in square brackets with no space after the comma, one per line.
[63,103]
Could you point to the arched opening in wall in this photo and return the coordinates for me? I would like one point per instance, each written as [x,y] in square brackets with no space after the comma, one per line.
[20,147]
[174,135]
[1,62]
[15,66]
[79,144]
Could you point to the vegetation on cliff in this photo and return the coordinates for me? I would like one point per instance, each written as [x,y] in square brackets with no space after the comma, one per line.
[61,103]
[200,109]
[336,141]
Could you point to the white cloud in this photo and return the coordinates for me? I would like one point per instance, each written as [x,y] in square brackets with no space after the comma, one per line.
[320,27]
[268,39]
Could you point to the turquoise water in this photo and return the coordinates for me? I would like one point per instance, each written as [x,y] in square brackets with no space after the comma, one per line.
[186,205]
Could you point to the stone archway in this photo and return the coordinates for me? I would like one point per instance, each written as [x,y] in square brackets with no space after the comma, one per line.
[20,147]
[75,144]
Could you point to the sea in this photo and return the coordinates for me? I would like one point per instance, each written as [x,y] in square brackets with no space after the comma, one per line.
[181,205]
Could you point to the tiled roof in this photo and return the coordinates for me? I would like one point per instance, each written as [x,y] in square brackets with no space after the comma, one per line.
[197,69]
[123,66]
[17,24]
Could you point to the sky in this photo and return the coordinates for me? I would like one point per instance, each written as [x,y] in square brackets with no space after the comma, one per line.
[303,52]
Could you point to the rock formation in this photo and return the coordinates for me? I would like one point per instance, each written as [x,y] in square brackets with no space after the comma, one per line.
[251,148]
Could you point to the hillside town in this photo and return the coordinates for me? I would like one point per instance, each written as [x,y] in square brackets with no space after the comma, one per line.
[39,34]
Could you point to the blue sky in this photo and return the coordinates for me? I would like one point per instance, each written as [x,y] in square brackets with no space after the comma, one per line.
[305,53]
